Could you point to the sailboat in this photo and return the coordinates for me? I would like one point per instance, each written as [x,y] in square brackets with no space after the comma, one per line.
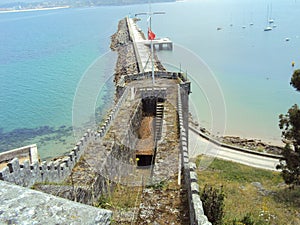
[270,18]
[268,27]
[251,23]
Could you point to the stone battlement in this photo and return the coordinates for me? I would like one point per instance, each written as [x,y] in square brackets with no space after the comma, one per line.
[110,153]
[31,171]
[197,215]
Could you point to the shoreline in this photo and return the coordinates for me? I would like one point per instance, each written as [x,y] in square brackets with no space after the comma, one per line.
[34,9]
[252,144]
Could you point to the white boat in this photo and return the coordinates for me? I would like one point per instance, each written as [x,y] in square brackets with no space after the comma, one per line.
[270,17]
[268,28]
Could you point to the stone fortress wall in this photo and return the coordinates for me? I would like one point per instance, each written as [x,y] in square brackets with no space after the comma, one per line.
[29,172]
[196,211]
[32,171]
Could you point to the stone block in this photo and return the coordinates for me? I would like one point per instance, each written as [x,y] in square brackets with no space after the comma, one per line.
[67,161]
[197,203]
[43,166]
[195,188]
[35,172]
[4,173]
[82,140]
[193,176]
[185,155]
[200,217]
[14,166]
[193,166]
[75,150]
[78,145]
[185,149]
[186,161]
[184,144]
[101,133]
[50,166]
[26,165]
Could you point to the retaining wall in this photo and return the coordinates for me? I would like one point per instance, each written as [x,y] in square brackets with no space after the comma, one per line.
[197,216]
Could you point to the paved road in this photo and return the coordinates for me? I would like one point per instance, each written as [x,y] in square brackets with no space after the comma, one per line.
[199,145]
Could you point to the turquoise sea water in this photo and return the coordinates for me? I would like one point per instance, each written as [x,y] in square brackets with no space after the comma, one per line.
[45,54]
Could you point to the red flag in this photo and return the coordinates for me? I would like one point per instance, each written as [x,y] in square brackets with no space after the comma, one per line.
[151,35]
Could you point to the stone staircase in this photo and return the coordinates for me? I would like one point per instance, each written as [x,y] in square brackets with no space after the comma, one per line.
[159,120]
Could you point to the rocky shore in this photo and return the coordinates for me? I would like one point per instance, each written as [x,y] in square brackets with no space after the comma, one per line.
[250,144]
[122,44]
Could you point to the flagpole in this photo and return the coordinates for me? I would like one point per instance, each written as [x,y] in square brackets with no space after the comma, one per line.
[150,14]
[152,59]
[152,56]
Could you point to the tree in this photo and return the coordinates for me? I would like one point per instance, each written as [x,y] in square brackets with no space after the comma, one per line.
[290,126]
[295,81]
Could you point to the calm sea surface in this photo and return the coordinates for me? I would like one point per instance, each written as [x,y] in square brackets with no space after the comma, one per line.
[46,58]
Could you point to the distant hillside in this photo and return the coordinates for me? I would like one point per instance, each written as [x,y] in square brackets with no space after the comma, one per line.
[79,3]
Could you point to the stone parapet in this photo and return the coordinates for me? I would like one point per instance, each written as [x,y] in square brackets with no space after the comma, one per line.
[32,171]
[21,205]
[197,216]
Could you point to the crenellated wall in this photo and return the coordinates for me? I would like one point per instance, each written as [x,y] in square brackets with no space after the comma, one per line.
[197,215]
[27,173]
[30,172]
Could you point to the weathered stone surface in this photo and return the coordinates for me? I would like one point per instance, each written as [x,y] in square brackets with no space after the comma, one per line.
[25,206]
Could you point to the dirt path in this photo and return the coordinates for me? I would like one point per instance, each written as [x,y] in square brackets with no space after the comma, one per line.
[145,144]
[164,203]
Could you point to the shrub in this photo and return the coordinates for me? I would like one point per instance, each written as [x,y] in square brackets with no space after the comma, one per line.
[213,204]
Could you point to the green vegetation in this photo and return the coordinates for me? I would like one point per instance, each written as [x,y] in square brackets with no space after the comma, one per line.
[295,80]
[158,186]
[290,126]
[213,204]
[123,197]
[252,196]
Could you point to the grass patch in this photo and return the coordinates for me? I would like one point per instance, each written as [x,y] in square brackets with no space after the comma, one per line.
[271,203]
[123,197]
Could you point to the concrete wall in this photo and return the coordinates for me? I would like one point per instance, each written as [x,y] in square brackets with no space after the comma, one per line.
[29,152]
[136,52]
[197,215]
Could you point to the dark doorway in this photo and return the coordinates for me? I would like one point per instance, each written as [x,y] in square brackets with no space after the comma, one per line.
[144,160]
